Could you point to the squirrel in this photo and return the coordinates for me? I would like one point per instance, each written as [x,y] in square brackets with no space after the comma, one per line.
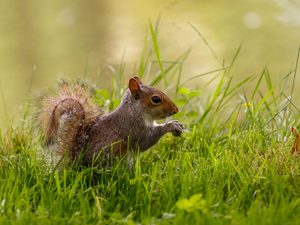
[72,122]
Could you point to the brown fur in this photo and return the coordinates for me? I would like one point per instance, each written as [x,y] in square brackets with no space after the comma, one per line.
[71,121]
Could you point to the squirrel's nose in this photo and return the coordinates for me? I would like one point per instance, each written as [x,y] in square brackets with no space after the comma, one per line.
[175,110]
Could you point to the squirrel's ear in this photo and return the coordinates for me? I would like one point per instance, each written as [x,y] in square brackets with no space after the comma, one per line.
[134,88]
[138,80]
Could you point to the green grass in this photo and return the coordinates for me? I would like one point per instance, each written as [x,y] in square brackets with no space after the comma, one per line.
[233,164]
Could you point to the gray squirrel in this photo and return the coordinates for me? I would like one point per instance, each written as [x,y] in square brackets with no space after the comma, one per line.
[72,122]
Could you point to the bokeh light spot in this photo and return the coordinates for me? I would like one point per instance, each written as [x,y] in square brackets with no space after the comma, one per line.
[252,20]
[66,17]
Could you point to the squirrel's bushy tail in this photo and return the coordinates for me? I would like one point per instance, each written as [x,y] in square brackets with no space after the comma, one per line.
[64,119]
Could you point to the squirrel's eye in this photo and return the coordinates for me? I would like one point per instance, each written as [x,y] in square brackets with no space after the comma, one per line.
[156,99]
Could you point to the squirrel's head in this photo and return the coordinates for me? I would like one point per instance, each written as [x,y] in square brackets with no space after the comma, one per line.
[154,103]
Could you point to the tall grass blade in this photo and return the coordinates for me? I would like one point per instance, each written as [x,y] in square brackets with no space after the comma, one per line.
[4,105]
[275,115]
[28,96]
[143,62]
[31,81]
[215,95]
[257,85]
[265,103]
[290,102]
[234,58]
[157,53]
[295,73]
[160,77]
[204,40]
[264,99]
[268,80]
[200,75]
[157,24]
[180,70]
[86,66]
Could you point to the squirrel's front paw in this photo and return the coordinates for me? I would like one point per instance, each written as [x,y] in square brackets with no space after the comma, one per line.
[175,128]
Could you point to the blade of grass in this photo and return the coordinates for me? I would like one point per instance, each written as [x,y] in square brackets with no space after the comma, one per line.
[216,94]
[275,115]
[157,53]
[241,85]
[225,94]
[31,80]
[200,75]
[268,80]
[290,102]
[180,70]
[99,75]
[265,103]
[157,24]
[143,63]
[160,77]
[204,40]
[120,75]
[257,85]
[4,105]
[234,58]
[28,96]
[295,73]
[86,66]
[264,99]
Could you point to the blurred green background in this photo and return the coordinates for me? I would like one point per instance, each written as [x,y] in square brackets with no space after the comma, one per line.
[57,37]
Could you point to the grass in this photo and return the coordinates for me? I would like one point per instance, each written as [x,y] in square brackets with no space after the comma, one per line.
[233,164]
